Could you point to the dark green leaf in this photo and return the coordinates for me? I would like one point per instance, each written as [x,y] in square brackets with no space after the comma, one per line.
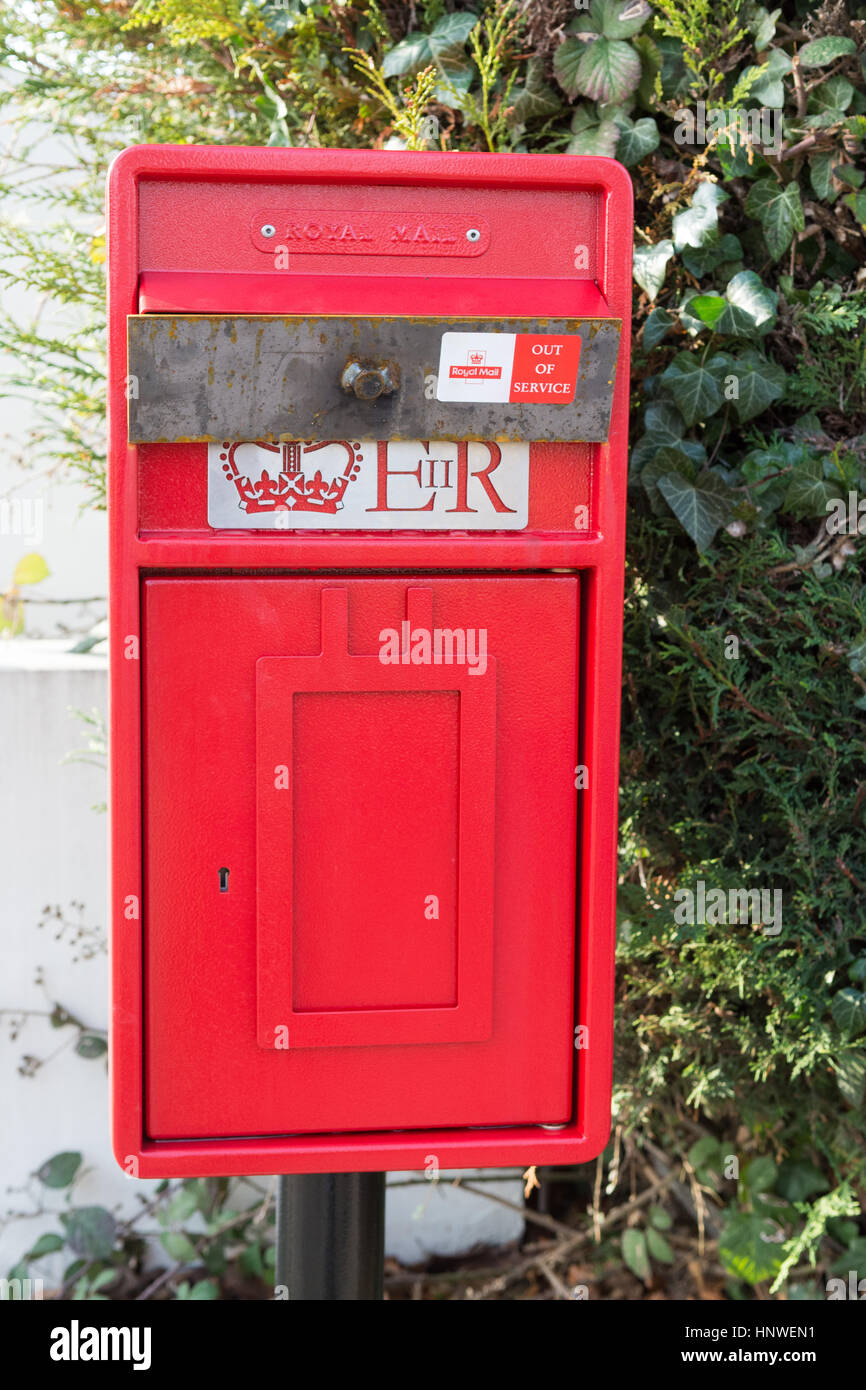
[848,1008]
[758,383]
[658,1246]
[808,492]
[60,1170]
[451,32]
[663,463]
[798,1181]
[179,1246]
[693,386]
[47,1244]
[760,1175]
[660,1219]
[820,52]
[700,507]
[90,1045]
[715,252]
[90,1232]
[658,323]
[634,1252]
[535,99]
[780,212]
[746,1250]
[637,139]
[409,55]
[851,1076]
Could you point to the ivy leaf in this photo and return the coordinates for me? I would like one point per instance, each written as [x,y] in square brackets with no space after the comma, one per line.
[592,136]
[759,383]
[768,89]
[858,969]
[809,491]
[699,222]
[451,32]
[634,1252]
[848,1008]
[857,664]
[834,95]
[650,67]
[650,264]
[658,323]
[851,1076]
[661,417]
[90,1232]
[59,1170]
[535,99]
[760,1175]
[715,252]
[407,56]
[746,1250]
[798,1181]
[664,462]
[751,301]
[820,52]
[780,212]
[820,177]
[762,25]
[637,139]
[700,507]
[707,307]
[693,386]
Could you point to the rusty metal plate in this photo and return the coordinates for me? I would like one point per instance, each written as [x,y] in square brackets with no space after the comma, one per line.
[263,377]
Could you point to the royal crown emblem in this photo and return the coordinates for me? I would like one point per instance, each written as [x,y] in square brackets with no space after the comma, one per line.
[290,490]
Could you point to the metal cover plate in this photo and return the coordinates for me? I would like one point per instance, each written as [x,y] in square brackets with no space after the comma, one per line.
[264,377]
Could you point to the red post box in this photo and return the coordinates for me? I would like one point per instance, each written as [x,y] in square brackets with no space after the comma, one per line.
[368,421]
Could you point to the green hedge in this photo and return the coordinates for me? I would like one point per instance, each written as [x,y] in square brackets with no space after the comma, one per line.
[741,1048]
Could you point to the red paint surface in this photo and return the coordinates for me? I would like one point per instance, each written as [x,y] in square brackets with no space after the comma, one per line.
[193,1092]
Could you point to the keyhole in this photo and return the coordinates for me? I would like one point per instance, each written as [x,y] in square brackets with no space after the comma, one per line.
[224,880]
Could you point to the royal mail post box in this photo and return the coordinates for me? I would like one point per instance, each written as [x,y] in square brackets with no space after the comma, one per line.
[367,482]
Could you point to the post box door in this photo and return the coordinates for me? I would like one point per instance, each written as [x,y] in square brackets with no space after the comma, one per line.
[359,852]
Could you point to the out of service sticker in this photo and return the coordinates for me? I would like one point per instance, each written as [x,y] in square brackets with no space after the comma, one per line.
[527,367]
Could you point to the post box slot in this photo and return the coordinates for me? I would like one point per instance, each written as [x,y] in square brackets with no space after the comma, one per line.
[271,377]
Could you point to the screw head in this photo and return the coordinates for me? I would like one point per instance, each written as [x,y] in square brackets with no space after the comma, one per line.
[268,229]
[473,234]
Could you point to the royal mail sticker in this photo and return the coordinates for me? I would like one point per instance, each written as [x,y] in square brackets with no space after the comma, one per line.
[539,368]
[365,485]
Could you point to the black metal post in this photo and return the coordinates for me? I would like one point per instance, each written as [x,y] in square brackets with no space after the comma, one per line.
[330,1236]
